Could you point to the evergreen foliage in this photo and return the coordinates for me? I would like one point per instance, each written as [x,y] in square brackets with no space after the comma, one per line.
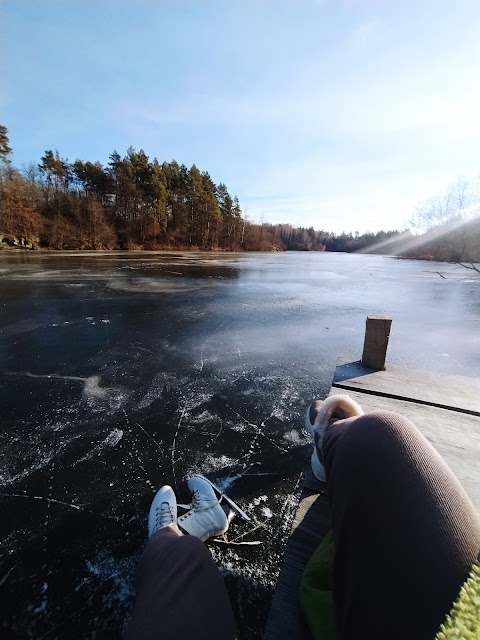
[137,203]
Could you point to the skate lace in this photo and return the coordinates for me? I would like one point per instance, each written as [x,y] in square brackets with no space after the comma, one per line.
[164,515]
[196,499]
[207,503]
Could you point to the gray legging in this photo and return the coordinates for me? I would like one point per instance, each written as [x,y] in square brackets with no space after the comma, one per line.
[406,535]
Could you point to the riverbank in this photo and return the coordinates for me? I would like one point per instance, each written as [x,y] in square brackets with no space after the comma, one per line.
[25,245]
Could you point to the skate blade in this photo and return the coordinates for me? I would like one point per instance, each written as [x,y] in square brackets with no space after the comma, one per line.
[233,504]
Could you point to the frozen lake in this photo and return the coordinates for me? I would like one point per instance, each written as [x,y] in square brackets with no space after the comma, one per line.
[124,371]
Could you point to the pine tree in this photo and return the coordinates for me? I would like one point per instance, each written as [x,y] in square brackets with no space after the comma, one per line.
[5,149]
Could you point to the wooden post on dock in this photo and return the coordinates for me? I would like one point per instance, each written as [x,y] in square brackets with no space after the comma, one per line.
[377,333]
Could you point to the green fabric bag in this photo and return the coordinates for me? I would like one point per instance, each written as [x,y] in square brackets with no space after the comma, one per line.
[463,621]
[316,599]
[316,591]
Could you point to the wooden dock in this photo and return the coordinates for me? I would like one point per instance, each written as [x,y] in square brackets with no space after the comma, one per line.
[446,409]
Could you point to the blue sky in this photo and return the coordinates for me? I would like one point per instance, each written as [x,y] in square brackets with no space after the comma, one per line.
[340,114]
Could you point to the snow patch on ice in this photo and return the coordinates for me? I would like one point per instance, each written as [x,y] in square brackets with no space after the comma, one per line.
[224,484]
[212,463]
[111,440]
[293,436]
[240,428]
[203,417]
[92,388]
[256,501]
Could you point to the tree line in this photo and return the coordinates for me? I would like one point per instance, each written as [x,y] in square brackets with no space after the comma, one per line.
[137,203]
[134,202]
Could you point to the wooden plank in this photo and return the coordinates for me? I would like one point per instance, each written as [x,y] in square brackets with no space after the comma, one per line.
[310,525]
[457,393]
[377,334]
[454,435]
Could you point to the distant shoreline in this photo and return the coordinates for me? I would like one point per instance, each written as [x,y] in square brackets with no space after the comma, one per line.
[20,249]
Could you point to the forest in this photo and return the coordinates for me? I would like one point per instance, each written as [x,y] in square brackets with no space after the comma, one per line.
[137,203]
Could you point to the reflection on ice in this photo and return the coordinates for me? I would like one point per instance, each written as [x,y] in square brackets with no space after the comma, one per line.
[149,285]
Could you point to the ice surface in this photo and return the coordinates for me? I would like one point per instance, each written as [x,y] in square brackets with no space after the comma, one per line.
[121,372]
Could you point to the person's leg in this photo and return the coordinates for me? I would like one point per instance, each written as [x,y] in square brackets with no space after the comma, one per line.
[180,592]
[406,534]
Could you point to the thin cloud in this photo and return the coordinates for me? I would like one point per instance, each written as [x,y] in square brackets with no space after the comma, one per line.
[365,33]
